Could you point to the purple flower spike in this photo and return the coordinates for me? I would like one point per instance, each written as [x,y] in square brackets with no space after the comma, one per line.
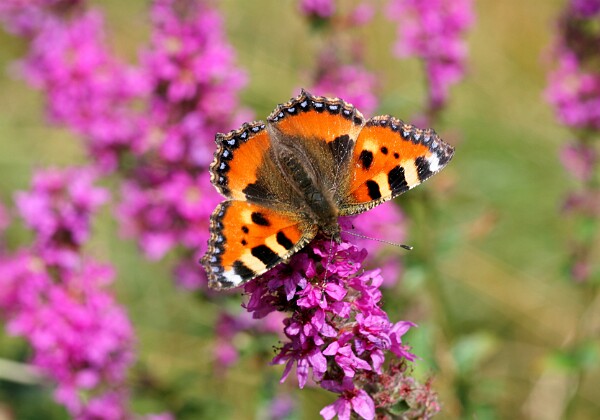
[336,332]
[433,30]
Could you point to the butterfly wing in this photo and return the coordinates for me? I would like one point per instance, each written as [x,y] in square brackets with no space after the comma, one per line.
[240,156]
[247,239]
[321,130]
[391,157]
[256,228]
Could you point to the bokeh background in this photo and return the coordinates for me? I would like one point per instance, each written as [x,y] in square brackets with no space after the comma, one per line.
[503,329]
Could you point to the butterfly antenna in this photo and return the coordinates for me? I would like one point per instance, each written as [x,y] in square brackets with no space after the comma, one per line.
[358,235]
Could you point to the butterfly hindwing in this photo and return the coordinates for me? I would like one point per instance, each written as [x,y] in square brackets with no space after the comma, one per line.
[247,239]
[391,157]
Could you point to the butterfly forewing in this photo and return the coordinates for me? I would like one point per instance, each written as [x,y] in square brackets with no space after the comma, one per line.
[325,129]
[390,157]
[240,155]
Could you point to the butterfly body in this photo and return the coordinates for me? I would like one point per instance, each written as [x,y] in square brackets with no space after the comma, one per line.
[288,179]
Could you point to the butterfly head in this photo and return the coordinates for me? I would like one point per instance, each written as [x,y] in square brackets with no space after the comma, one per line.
[332,230]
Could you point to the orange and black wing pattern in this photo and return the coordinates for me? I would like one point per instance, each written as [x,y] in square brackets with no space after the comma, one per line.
[323,129]
[389,158]
[239,157]
[316,118]
[247,239]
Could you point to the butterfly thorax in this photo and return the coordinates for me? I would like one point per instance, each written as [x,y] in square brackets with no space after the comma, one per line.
[318,204]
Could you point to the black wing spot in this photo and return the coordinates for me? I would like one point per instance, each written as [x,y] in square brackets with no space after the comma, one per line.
[240,269]
[366,159]
[422,168]
[284,241]
[245,229]
[256,192]
[260,219]
[244,242]
[396,155]
[341,147]
[384,150]
[265,254]
[397,180]
[374,191]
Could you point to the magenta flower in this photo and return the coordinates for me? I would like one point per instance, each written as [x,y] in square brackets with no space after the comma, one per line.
[362,14]
[586,8]
[173,211]
[282,407]
[351,399]
[59,206]
[433,31]
[79,336]
[574,92]
[351,82]
[58,300]
[336,332]
[194,84]
[194,79]
[87,89]
[579,160]
[317,8]
[26,17]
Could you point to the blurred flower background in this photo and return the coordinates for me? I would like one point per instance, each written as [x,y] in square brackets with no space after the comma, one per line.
[109,111]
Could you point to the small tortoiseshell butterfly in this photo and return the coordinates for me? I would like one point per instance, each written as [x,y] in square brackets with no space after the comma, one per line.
[286,180]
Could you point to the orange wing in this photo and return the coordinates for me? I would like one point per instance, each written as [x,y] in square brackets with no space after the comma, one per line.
[247,239]
[239,157]
[321,131]
[309,118]
[391,157]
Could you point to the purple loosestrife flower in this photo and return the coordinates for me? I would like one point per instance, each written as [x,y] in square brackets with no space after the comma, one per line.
[574,92]
[194,79]
[336,331]
[282,407]
[352,82]
[57,299]
[173,211]
[26,17]
[80,337]
[586,8]
[317,8]
[362,14]
[59,205]
[433,31]
[579,160]
[86,88]
[194,84]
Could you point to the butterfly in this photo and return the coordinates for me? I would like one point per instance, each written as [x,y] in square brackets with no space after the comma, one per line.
[289,178]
